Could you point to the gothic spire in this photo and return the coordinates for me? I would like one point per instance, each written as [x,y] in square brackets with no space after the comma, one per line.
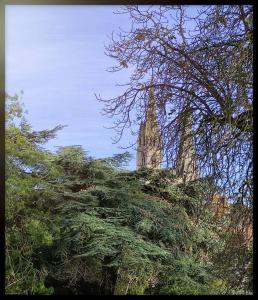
[149,152]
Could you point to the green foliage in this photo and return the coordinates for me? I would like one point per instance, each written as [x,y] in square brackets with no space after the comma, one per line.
[119,160]
[140,241]
[82,223]
[27,226]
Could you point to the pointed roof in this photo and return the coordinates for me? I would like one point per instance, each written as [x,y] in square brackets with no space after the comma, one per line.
[151,113]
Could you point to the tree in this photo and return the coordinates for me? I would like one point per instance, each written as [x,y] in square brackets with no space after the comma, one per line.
[119,236]
[137,232]
[28,226]
[200,62]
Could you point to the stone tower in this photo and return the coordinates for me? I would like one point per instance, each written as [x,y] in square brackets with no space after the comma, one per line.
[149,143]
[185,167]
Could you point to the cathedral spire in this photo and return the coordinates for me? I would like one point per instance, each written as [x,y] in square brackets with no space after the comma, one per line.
[151,114]
[149,153]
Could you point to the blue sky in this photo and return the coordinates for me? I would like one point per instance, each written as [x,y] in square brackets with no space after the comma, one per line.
[55,54]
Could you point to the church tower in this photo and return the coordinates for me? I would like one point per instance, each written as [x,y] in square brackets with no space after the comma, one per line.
[186,168]
[149,143]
